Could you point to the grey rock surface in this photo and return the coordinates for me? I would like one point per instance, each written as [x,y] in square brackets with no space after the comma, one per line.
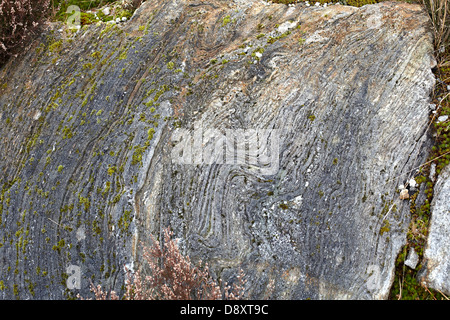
[413,259]
[436,271]
[96,155]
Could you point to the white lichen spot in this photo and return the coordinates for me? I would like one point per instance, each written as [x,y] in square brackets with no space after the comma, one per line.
[433,172]
[442,118]
[37,114]
[297,201]
[80,233]
[286,26]
[316,37]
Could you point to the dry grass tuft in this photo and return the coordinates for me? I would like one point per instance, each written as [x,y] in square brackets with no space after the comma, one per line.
[439,11]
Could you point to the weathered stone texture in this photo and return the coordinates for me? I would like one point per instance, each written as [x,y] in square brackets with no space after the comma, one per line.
[436,271]
[89,126]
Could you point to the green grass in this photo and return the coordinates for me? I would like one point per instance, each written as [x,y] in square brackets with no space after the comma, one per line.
[406,285]
[60,9]
[83,4]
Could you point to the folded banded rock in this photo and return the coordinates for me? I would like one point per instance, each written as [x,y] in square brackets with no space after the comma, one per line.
[270,138]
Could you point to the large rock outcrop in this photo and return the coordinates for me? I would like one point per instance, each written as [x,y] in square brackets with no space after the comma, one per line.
[436,270]
[322,113]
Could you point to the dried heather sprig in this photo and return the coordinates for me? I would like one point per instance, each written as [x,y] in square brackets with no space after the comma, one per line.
[172,276]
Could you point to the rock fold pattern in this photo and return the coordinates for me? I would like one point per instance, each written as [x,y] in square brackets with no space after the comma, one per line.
[270,138]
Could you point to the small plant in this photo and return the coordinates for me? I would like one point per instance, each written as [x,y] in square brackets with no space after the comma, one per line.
[132,4]
[170,65]
[20,20]
[170,275]
[439,12]
[226,20]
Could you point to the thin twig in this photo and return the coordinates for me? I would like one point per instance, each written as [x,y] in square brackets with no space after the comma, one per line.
[426,130]
[432,295]
[443,294]
[55,223]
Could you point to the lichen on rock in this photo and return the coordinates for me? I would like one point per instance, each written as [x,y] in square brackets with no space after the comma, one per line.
[335,98]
